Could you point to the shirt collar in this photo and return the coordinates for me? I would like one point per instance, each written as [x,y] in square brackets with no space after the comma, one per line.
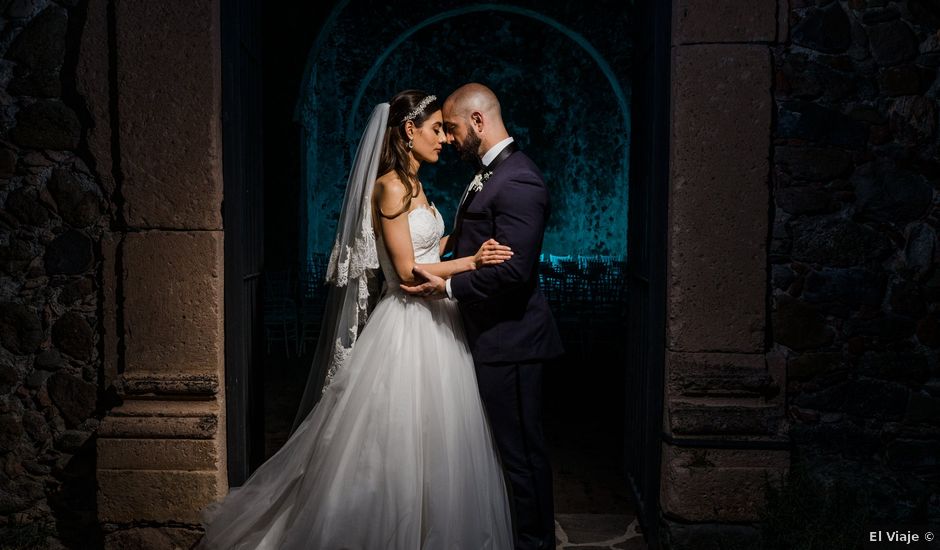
[495,150]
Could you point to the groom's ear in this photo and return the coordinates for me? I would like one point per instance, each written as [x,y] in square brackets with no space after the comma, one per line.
[477,121]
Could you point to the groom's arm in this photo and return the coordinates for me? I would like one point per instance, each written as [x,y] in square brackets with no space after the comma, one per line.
[519,221]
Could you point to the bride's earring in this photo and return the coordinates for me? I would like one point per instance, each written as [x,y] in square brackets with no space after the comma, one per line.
[410,144]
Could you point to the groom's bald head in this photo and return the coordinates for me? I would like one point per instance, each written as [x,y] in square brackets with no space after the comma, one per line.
[474,97]
[473,119]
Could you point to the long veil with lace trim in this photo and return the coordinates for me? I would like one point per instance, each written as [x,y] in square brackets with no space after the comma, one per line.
[350,272]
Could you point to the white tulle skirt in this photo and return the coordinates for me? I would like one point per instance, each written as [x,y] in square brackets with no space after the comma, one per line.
[396,455]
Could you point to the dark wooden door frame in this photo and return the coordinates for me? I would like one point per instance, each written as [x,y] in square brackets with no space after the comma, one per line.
[243,219]
[646,261]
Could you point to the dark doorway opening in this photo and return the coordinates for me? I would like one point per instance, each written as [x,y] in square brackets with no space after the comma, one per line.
[603,398]
[646,266]
[243,221]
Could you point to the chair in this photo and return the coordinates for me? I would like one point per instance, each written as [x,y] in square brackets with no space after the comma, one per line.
[310,319]
[280,309]
[280,323]
[312,277]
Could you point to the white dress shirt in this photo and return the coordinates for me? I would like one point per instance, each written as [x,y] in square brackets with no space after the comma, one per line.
[487,158]
[495,150]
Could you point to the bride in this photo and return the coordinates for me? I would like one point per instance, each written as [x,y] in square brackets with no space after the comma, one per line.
[397,453]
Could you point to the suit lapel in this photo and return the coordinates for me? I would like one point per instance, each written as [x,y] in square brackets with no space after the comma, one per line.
[458,221]
[488,187]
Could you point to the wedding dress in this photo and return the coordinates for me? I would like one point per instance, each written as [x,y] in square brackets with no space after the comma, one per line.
[397,454]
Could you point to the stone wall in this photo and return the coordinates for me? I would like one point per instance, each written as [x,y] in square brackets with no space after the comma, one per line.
[161,453]
[854,247]
[725,426]
[111,318]
[58,204]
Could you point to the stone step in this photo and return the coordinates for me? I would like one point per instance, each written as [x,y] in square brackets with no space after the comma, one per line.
[598,531]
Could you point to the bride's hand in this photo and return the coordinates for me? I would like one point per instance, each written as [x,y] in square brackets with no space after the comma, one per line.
[491,253]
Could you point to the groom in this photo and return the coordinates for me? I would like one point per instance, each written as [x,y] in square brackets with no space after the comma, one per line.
[509,327]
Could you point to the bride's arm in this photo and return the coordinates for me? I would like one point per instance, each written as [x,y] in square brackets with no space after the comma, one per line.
[397,236]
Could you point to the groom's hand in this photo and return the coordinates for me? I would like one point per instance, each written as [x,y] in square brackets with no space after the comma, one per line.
[432,287]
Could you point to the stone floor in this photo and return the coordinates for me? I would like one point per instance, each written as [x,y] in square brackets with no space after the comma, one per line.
[593,508]
[596,531]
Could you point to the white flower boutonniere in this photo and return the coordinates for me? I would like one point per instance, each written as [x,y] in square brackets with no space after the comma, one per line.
[478,180]
[476,184]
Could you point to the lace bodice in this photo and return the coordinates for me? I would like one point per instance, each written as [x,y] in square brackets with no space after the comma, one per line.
[427,228]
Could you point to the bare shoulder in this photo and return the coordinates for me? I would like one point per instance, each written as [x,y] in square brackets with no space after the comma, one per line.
[389,195]
[389,185]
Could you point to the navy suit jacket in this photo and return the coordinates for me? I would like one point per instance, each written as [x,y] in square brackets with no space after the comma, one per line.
[506,317]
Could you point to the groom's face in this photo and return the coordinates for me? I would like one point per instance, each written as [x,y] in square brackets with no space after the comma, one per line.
[461,135]
[469,149]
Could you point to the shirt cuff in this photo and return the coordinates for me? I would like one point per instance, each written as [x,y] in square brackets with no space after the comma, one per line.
[450,293]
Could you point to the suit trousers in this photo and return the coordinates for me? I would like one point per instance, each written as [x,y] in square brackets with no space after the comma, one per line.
[512,396]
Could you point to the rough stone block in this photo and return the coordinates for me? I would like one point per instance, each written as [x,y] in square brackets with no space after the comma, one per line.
[170,112]
[157,454]
[152,538]
[75,398]
[92,82]
[172,383]
[719,375]
[155,419]
[70,253]
[126,496]
[157,427]
[681,536]
[169,408]
[724,21]
[173,302]
[39,50]
[711,416]
[718,485]
[47,124]
[20,328]
[109,290]
[716,271]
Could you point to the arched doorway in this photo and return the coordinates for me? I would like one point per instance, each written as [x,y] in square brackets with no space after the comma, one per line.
[571,110]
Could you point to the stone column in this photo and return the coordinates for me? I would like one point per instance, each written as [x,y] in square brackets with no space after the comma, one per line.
[724,399]
[161,453]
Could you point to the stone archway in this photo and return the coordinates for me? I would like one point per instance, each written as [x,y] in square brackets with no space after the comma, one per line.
[703,358]
[574,36]
[319,102]
[112,261]
[161,453]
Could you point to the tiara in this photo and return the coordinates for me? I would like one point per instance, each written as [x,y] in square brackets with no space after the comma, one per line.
[419,109]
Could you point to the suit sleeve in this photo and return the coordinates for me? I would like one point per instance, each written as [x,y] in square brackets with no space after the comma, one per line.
[519,214]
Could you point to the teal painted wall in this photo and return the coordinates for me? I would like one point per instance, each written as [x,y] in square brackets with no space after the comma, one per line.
[562,73]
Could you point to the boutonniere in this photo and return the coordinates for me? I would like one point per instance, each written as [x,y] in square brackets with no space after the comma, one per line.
[478,180]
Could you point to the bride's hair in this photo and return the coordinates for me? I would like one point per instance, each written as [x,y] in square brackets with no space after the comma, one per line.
[394,149]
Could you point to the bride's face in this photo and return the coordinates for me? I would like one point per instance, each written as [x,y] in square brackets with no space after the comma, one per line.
[429,138]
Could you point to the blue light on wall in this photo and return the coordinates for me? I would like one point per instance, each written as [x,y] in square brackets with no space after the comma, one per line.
[560,71]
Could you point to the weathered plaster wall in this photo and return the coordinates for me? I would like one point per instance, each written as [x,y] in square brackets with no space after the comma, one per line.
[561,71]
